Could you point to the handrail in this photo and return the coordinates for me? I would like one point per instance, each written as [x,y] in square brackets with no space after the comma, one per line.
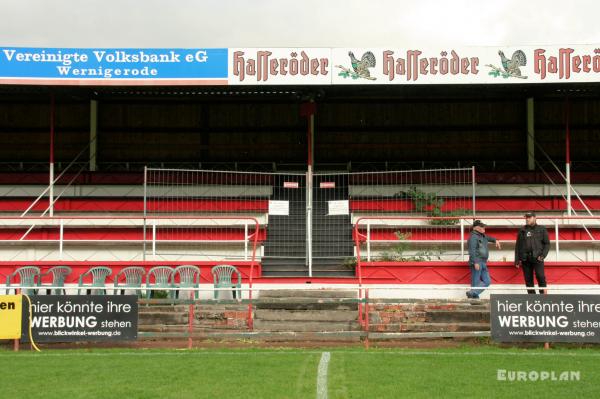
[128,217]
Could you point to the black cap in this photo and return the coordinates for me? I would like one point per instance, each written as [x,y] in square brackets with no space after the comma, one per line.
[530,214]
[479,223]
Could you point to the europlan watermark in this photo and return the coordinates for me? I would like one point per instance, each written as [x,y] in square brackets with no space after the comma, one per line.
[537,375]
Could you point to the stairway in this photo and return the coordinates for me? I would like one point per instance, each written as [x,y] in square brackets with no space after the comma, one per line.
[332,245]
[307,314]
[285,247]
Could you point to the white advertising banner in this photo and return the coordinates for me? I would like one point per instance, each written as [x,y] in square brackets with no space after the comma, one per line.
[280,66]
[466,65]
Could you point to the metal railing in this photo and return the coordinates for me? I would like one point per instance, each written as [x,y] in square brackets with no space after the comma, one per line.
[250,225]
[364,226]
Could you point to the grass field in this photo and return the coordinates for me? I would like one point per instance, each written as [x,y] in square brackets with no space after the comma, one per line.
[470,372]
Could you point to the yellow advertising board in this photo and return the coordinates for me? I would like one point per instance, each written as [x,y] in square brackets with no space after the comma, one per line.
[10,316]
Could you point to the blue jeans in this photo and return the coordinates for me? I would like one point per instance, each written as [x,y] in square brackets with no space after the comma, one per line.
[479,278]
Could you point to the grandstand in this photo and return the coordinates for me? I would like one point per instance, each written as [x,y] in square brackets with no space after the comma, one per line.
[103,138]
[298,187]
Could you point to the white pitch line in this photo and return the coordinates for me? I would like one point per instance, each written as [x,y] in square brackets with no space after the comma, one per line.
[322,376]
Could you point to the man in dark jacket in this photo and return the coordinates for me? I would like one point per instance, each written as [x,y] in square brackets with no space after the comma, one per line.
[478,257]
[530,251]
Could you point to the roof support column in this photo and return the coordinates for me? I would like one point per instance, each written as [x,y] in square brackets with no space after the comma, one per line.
[93,134]
[308,110]
[530,134]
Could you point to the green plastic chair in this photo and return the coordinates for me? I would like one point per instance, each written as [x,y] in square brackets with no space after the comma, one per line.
[189,277]
[29,276]
[99,275]
[133,277]
[59,275]
[222,276]
[163,278]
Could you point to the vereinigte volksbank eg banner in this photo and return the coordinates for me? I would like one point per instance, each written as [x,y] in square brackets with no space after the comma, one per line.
[103,66]
[301,66]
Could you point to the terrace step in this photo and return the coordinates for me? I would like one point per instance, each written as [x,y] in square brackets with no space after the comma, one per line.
[321,294]
[305,326]
[305,315]
[468,316]
[430,327]
[306,304]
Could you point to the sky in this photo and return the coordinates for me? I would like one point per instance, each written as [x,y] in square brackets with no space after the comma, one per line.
[300,23]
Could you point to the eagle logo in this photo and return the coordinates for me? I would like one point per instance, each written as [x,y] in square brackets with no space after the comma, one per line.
[359,68]
[510,68]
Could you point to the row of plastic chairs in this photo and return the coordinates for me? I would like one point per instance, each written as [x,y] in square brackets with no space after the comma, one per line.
[128,278]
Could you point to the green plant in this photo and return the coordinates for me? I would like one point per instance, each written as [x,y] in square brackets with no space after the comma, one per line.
[447,222]
[350,263]
[431,205]
[160,294]
[424,202]
[397,251]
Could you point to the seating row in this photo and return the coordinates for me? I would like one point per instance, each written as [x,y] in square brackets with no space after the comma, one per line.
[130,278]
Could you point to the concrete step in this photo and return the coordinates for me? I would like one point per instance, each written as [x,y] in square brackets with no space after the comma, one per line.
[286,230]
[287,233]
[284,248]
[289,266]
[283,262]
[306,304]
[304,326]
[327,294]
[284,274]
[333,251]
[284,254]
[287,244]
[452,316]
[329,248]
[435,304]
[338,260]
[156,318]
[282,336]
[142,308]
[334,239]
[341,273]
[430,327]
[326,225]
[296,267]
[198,328]
[284,268]
[158,328]
[281,253]
[313,337]
[306,315]
[332,271]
